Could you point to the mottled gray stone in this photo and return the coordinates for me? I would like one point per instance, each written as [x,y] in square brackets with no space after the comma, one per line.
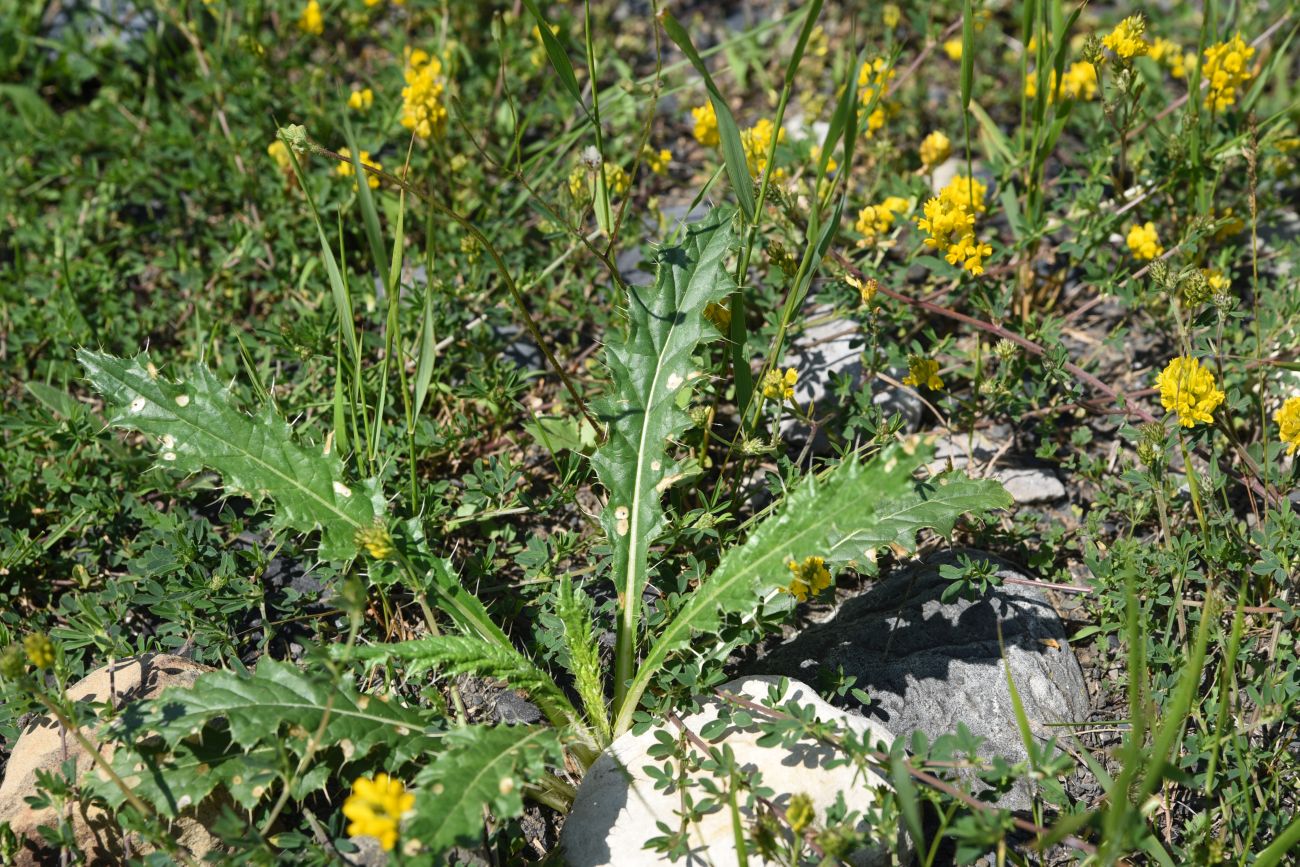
[929,666]
[617,806]
[1026,484]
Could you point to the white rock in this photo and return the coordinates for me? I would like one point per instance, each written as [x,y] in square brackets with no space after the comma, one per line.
[617,807]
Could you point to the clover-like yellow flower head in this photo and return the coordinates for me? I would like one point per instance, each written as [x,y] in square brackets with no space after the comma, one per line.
[778,385]
[935,148]
[376,807]
[808,578]
[423,111]
[1144,242]
[1189,390]
[922,371]
[1126,39]
[1226,71]
[706,125]
[311,21]
[1288,422]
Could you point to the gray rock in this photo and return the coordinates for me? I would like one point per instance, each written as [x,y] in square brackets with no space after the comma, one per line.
[617,805]
[929,666]
[1025,484]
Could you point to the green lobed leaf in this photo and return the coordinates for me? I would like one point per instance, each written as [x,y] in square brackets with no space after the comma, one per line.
[650,368]
[855,510]
[199,426]
[173,758]
[461,654]
[479,766]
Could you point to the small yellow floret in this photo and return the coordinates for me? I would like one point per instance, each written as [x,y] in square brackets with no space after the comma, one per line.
[706,125]
[808,578]
[757,141]
[1226,70]
[311,21]
[779,386]
[657,161]
[423,111]
[922,371]
[362,99]
[345,169]
[1144,242]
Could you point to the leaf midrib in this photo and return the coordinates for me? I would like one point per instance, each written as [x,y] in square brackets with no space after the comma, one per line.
[483,770]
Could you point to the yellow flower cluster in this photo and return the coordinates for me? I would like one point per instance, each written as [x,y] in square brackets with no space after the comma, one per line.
[1188,389]
[935,148]
[950,222]
[875,220]
[952,48]
[808,578]
[361,100]
[279,151]
[873,78]
[706,125]
[345,169]
[40,650]
[1079,83]
[617,180]
[422,108]
[376,807]
[376,540]
[1144,242]
[756,141]
[922,371]
[657,161]
[311,21]
[1216,279]
[1226,70]
[1167,53]
[1288,422]
[777,385]
[1126,39]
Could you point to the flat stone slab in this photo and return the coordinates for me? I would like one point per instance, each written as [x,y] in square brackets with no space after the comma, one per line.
[929,666]
[617,807]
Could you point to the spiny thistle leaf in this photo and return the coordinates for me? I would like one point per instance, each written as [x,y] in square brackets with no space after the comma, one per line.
[573,607]
[650,368]
[845,517]
[479,765]
[200,426]
[462,654]
[167,744]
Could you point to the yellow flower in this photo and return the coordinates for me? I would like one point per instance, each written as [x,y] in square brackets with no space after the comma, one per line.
[800,813]
[756,141]
[1126,39]
[360,100]
[778,386]
[1144,243]
[719,315]
[1226,70]
[891,15]
[1164,51]
[376,808]
[1217,280]
[808,578]
[578,184]
[966,194]
[867,289]
[1288,422]
[923,371]
[706,125]
[816,155]
[376,540]
[1079,81]
[873,77]
[311,21]
[422,108]
[943,220]
[279,152]
[935,148]
[874,220]
[345,169]
[40,650]
[1188,389]
[657,161]
[969,253]
[952,48]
